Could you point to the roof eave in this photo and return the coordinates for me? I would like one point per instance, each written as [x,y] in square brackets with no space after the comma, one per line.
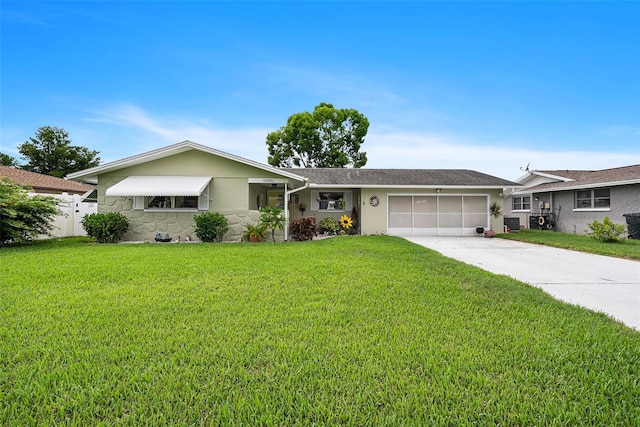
[584,186]
[558,177]
[409,186]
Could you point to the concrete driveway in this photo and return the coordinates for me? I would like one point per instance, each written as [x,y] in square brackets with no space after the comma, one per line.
[600,283]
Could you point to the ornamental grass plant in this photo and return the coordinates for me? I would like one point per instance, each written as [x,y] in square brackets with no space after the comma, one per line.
[370,330]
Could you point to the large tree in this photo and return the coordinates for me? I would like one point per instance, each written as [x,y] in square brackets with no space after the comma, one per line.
[327,138]
[7,160]
[51,153]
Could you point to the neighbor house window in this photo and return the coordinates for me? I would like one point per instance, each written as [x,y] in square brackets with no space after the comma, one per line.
[331,200]
[593,199]
[521,203]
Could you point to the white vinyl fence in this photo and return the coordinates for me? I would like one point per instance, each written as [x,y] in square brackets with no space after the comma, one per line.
[73,208]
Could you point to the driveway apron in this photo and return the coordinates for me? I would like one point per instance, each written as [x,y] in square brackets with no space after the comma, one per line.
[600,283]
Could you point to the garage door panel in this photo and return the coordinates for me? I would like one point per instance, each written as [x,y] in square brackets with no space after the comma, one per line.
[450,204]
[450,220]
[399,204]
[400,220]
[425,220]
[475,220]
[475,204]
[424,232]
[425,205]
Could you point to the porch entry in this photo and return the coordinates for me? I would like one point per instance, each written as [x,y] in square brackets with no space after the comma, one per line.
[437,215]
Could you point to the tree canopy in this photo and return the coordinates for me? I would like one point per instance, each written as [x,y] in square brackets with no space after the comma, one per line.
[51,153]
[326,138]
[7,160]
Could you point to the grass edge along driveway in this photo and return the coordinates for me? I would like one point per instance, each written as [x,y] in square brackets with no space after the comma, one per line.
[624,248]
[366,330]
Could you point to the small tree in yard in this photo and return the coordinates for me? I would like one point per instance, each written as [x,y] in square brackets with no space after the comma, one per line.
[606,231]
[211,226]
[272,218]
[23,217]
[105,227]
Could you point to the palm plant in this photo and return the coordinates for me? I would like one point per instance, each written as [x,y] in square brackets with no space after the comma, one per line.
[272,218]
[254,232]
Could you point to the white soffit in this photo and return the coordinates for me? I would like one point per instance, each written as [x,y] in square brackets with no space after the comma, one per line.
[159,186]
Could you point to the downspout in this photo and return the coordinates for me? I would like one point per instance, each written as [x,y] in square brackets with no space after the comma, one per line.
[287,194]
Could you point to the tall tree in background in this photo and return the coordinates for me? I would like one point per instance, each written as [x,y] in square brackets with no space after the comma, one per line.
[327,138]
[7,160]
[51,153]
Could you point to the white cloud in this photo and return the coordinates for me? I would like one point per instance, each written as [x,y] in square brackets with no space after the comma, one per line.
[145,132]
[8,140]
[385,148]
[623,130]
[442,151]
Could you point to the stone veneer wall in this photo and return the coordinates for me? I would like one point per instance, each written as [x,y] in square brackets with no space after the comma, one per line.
[143,226]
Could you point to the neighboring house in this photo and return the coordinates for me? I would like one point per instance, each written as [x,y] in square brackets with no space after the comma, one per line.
[160,192]
[43,184]
[568,200]
[72,196]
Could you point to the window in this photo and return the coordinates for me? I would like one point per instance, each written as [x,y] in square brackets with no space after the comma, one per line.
[593,199]
[331,200]
[521,203]
[171,202]
[178,203]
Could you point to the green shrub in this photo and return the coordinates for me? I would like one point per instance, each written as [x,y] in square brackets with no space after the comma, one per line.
[606,231]
[105,227]
[304,228]
[329,225]
[211,226]
[23,217]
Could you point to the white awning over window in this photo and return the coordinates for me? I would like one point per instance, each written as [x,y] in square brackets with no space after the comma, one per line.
[159,186]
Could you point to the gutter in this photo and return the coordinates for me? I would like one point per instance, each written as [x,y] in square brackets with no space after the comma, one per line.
[422,187]
[577,186]
[287,195]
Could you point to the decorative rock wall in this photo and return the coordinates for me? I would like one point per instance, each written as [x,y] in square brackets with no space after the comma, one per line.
[143,226]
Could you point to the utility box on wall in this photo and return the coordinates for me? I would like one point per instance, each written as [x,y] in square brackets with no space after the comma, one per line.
[513,223]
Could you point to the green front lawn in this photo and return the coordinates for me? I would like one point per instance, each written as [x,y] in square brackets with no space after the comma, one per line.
[626,248]
[345,331]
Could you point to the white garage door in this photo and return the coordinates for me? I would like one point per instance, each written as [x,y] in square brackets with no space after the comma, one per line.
[437,215]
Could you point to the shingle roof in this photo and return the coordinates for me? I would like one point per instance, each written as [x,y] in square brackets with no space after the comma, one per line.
[400,177]
[585,178]
[43,183]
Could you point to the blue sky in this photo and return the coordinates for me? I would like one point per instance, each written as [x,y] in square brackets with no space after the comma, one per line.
[490,86]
